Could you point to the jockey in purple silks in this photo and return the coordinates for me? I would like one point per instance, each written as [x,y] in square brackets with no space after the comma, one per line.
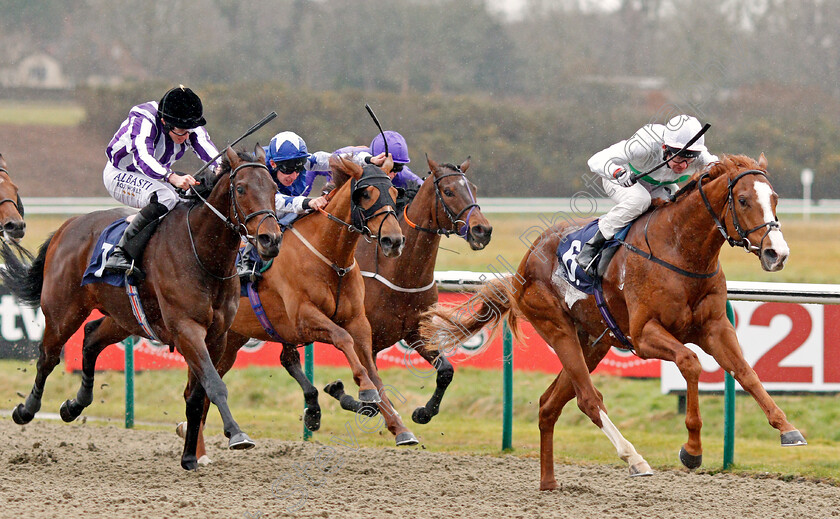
[621,162]
[140,157]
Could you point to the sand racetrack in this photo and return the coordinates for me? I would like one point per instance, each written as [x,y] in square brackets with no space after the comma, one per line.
[85,470]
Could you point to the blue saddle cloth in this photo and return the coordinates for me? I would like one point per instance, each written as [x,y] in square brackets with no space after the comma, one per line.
[109,238]
[569,248]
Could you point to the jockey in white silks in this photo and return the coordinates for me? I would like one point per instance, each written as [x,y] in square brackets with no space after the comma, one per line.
[621,162]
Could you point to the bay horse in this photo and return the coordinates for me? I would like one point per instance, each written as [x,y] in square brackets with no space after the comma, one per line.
[190,293]
[675,297]
[398,290]
[11,207]
[314,291]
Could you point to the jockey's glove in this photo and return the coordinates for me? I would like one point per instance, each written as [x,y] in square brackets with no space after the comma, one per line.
[624,177]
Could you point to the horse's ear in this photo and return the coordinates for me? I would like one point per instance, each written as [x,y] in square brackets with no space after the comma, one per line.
[433,166]
[232,157]
[762,162]
[2,161]
[465,165]
[259,152]
[345,167]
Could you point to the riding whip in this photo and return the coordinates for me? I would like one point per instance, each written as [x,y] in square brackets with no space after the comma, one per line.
[687,145]
[254,128]
[375,120]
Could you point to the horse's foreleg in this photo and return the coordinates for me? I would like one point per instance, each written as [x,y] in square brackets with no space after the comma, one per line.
[190,343]
[99,335]
[360,330]
[195,404]
[290,359]
[656,342]
[445,372]
[722,344]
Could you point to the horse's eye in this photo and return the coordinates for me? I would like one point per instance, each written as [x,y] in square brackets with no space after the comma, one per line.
[742,201]
[448,192]
[240,190]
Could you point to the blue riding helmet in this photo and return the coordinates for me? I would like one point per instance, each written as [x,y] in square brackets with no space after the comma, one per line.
[396,147]
[286,146]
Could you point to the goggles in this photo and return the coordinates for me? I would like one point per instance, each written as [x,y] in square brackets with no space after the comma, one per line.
[287,167]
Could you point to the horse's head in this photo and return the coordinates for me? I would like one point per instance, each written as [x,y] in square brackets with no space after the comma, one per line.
[456,198]
[750,219]
[251,207]
[11,207]
[372,201]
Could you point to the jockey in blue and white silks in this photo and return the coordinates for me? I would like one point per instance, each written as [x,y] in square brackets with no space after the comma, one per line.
[620,163]
[140,157]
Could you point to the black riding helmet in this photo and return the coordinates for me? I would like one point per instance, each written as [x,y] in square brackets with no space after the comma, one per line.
[181,108]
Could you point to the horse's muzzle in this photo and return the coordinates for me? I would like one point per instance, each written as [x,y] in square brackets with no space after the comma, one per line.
[391,246]
[14,230]
[479,236]
[268,245]
[773,260]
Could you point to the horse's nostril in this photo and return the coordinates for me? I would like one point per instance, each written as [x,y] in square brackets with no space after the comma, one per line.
[770,255]
[386,242]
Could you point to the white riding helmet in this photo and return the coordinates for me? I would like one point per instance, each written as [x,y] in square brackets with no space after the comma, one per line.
[680,129]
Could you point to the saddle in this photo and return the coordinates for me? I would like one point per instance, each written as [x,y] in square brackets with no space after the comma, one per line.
[569,248]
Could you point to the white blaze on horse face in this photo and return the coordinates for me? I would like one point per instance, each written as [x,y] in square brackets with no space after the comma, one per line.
[776,240]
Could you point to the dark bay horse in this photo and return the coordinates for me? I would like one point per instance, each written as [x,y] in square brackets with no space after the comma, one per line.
[11,208]
[314,290]
[398,290]
[190,294]
[678,298]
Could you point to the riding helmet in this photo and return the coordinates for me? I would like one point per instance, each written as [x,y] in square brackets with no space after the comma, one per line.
[681,129]
[396,146]
[181,108]
[286,146]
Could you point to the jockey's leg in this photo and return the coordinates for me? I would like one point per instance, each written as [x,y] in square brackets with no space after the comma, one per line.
[132,242]
[246,267]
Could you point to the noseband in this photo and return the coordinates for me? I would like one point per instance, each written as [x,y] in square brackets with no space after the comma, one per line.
[359,216]
[730,201]
[463,232]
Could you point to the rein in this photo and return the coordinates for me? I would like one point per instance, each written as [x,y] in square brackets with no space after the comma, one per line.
[239,226]
[730,202]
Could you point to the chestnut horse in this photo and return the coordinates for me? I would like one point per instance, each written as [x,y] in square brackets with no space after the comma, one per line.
[11,208]
[190,294]
[314,290]
[399,290]
[675,297]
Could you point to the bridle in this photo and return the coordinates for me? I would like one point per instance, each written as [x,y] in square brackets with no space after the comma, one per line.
[463,232]
[17,203]
[237,224]
[730,201]
[360,216]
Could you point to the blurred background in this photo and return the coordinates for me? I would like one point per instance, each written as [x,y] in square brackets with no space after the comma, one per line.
[530,88]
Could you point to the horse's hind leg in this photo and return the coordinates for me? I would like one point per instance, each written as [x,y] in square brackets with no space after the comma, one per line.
[290,359]
[99,335]
[50,355]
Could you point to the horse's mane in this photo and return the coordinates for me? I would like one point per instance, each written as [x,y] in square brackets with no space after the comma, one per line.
[209,177]
[725,165]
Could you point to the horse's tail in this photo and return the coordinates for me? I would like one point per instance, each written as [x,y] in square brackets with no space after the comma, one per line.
[443,327]
[24,280]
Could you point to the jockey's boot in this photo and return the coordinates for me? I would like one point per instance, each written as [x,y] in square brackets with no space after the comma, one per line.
[247,267]
[123,261]
[588,255]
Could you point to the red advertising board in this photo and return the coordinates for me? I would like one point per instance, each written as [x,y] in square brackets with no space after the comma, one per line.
[533,355]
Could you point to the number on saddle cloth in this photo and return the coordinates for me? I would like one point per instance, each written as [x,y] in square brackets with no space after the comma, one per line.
[95,272]
[569,248]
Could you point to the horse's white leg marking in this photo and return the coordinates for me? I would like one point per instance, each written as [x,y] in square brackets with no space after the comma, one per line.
[624,448]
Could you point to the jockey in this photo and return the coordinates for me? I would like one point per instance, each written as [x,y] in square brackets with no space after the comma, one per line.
[401,176]
[618,164]
[140,155]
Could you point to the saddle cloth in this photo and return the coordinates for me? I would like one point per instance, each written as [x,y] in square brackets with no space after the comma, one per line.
[569,248]
[109,238]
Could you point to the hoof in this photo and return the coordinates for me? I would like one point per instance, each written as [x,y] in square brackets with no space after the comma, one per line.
[369,396]
[421,415]
[181,430]
[21,416]
[691,462]
[640,469]
[406,438]
[189,463]
[793,438]
[69,410]
[204,460]
[368,410]
[240,442]
[312,418]
[549,485]
[335,389]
